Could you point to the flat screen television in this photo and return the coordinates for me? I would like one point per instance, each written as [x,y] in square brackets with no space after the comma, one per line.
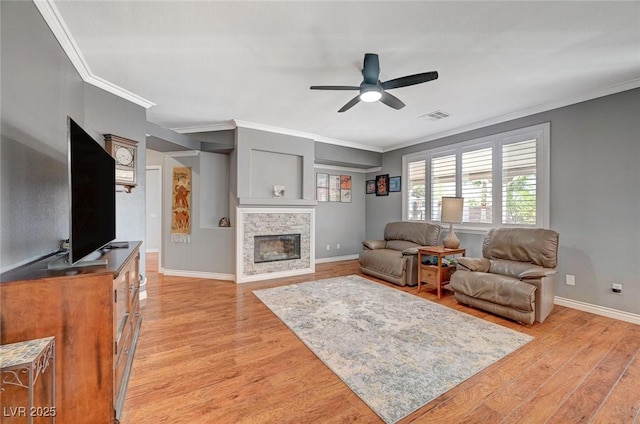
[92,175]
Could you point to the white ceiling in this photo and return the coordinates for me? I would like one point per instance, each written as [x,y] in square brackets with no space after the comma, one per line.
[206,63]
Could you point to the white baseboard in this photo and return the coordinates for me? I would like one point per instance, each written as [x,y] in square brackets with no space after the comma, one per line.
[156,250]
[336,258]
[598,310]
[198,274]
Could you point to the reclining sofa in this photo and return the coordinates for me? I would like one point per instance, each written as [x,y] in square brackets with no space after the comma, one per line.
[516,278]
[395,259]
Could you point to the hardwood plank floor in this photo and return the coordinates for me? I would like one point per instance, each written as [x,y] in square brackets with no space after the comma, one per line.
[211,352]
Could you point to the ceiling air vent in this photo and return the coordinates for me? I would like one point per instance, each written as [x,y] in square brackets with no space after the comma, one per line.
[436,116]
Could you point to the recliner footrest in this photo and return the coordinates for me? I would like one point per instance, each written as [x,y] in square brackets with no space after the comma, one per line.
[497,289]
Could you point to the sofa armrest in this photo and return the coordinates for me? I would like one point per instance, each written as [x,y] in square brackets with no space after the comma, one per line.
[410,251]
[537,272]
[374,244]
[474,264]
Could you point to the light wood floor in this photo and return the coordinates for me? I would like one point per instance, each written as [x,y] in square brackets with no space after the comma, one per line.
[211,352]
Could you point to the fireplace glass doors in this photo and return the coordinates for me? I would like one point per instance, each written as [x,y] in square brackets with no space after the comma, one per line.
[281,247]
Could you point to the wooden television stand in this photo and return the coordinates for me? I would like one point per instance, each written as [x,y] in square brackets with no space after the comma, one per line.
[94,314]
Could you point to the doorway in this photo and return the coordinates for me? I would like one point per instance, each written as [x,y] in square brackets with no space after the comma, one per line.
[154,209]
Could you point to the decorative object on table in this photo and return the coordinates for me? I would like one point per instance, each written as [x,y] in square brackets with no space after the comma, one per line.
[345,188]
[181,205]
[394,184]
[382,185]
[381,341]
[451,214]
[334,188]
[224,222]
[371,186]
[278,191]
[125,153]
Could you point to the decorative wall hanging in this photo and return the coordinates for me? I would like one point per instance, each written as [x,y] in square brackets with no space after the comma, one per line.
[181,205]
[345,188]
[322,187]
[382,185]
[371,187]
[334,188]
[394,184]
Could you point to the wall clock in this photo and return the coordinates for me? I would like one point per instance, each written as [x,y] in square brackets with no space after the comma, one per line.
[125,152]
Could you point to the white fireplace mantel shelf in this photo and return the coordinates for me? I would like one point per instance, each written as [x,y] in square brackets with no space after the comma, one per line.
[250,201]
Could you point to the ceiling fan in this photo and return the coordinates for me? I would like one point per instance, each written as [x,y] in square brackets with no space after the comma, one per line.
[372,89]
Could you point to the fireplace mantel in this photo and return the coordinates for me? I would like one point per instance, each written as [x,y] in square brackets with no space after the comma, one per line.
[250,201]
[252,222]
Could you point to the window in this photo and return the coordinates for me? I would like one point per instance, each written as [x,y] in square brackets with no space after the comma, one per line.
[504,180]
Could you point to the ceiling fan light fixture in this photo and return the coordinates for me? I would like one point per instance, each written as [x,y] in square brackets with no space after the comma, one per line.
[370,94]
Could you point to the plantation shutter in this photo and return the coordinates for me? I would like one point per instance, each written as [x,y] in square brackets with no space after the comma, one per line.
[416,190]
[477,185]
[443,182]
[519,163]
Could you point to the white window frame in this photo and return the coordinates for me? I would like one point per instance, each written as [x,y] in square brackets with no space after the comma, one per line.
[541,132]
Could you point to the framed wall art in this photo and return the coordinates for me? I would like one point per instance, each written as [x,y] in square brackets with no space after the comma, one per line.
[394,184]
[371,187]
[382,185]
[322,180]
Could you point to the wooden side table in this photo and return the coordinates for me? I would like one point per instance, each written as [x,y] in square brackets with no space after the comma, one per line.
[28,359]
[435,274]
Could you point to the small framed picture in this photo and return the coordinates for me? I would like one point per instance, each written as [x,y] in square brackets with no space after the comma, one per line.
[345,182]
[394,184]
[322,194]
[382,185]
[345,195]
[334,182]
[322,180]
[371,186]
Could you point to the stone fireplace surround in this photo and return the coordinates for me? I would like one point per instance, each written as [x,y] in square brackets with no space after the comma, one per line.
[253,222]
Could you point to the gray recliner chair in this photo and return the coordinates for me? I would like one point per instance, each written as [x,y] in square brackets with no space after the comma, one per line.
[517,276]
[395,259]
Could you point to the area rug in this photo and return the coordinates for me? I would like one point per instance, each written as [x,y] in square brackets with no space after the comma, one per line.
[395,350]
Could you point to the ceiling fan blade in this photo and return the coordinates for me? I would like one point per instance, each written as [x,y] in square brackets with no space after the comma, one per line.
[371,68]
[350,104]
[391,101]
[334,87]
[409,80]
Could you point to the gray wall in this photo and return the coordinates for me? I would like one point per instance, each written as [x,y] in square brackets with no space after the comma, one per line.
[255,178]
[40,88]
[108,114]
[595,206]
[331,154]
[212,249]
[341,223]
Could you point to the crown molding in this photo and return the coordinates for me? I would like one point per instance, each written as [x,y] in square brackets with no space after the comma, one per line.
[54,20]
[182,153]
[222,126]
[347,168]
[302,134]
[544,107]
